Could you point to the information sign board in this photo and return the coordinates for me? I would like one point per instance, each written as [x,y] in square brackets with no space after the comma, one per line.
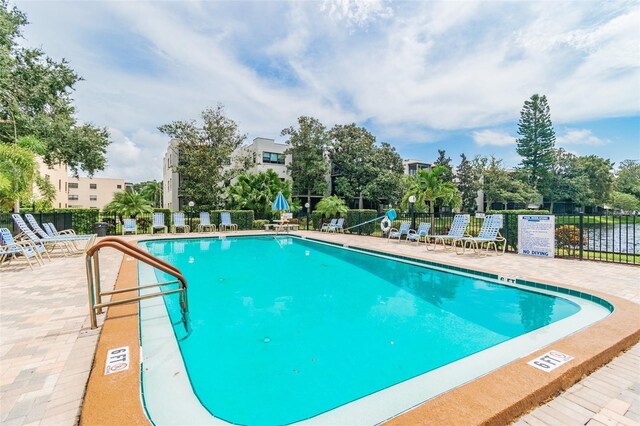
[536,235]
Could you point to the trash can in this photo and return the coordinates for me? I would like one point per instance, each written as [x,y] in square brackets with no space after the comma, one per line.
[100,228]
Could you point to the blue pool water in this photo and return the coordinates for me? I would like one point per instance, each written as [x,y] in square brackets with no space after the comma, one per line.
[285,329]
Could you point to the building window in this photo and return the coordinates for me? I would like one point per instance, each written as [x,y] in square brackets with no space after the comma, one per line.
[73,185]
[272,158]
[59,184]
[73,197]
[119,186]
[93,198]
[93,186]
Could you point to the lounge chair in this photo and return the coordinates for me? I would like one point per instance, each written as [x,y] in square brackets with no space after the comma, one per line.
[399,232]
[225,222]
[71,237]
[325,226]
[50,229]
[42,244]
[458,230]
[419,234]
[178,222]
[338,227]
[158,222]
[488,237]
[129,225]
[205,222]
[10,249]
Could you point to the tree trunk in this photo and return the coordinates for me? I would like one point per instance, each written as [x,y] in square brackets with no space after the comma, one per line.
[360,201]
[309,200]
[550,207]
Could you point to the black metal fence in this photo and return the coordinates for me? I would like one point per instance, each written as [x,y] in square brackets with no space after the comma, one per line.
[601,237]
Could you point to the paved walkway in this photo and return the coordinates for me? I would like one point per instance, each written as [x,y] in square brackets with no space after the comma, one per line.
[46,347]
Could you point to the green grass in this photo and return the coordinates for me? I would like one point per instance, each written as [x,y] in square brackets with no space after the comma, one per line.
[599,255]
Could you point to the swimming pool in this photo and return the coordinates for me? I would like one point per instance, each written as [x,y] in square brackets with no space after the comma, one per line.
[285,330]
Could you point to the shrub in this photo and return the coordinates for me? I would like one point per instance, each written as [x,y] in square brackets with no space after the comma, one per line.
[510,224]
[259,223]
[357,216]
[82,220]
[568,236]
[317,219]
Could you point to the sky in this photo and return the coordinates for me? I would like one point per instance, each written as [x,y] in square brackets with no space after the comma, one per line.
[422,76]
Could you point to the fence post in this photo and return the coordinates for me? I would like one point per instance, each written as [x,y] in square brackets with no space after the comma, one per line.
[506,231]
[581,236]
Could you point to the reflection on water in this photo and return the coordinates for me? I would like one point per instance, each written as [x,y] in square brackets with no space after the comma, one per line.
[614,238]
[535,311]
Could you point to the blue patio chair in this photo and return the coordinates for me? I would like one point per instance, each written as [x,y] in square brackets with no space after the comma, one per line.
[205,222]
[42,245]
[158,222]
[50,229]
[488,237]
[129,225]
[419,234]
[225,222]
[402,230]
[44,234]
[10,249]
[178,222]
[458,230]
[338,227]
[325,226]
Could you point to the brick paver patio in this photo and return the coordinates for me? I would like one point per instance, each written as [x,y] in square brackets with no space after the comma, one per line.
[47,348]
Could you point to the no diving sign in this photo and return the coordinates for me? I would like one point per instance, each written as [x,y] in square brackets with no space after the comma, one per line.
[117,360]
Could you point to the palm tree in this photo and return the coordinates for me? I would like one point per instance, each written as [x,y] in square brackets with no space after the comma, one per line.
[256,191]
[152,191]
[129,204]
[18,170]
[331,206]
[428,187]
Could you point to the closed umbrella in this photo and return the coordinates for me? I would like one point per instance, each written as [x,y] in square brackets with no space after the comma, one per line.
[280,204]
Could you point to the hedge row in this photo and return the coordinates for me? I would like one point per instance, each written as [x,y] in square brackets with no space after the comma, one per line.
[82,220]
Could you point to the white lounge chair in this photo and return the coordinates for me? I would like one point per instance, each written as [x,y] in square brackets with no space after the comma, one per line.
[399,232]
[488,237]
[42,244]
[325,226]
[50,229]
[458,230]
[419,234]
[205,222]
[338,227]
[129,225]
[67,236]
[178,222]
[10,249]
[158,222]
[225,222]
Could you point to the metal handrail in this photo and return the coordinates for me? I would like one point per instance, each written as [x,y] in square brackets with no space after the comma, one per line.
[93,279]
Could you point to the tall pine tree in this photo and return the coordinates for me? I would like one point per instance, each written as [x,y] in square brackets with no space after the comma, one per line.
[537,140]
[443,160]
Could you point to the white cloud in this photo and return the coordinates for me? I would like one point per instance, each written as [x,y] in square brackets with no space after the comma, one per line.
[580,137]
[416,69]
[493,137]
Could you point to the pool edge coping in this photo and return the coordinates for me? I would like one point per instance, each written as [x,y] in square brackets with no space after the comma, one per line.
[497,397]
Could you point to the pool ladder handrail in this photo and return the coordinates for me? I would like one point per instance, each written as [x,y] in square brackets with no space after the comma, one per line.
[95,293]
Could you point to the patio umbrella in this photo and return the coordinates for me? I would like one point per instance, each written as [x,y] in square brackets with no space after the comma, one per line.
[280,204]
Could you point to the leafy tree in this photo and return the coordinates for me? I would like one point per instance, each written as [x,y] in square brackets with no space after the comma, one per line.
[622,201]
[599,173]
[332,206]
[501,187]
[129,204]
[205,153]
[628,179]
[308,167]
[351,151]
[564,182]
[445,161]
[428,187]
[469,184]
[35,99]
[537,140]
[387,186]
[257,191]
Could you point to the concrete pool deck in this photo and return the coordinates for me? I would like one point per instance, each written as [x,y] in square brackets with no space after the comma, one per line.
[47,348]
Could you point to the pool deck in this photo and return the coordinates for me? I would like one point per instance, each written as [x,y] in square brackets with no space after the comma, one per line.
[47,349]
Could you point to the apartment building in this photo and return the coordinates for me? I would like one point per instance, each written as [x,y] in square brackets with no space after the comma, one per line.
[266,152]
[57,175]
[412,166]
[85,192]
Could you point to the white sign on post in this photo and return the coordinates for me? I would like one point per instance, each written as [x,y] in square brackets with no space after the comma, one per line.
[536,235]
